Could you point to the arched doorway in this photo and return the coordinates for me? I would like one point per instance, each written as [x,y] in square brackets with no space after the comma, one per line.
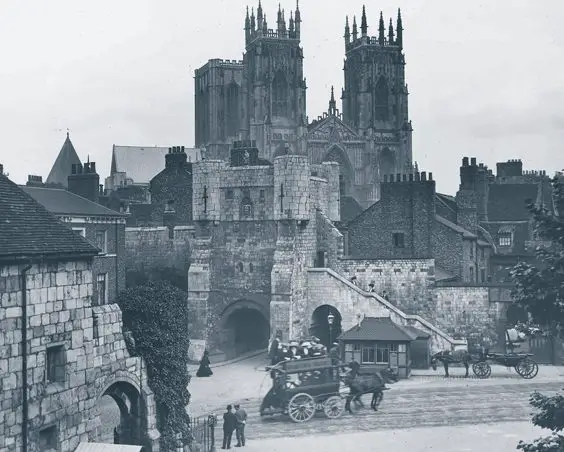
[245,328]
[326,324]
[122,415]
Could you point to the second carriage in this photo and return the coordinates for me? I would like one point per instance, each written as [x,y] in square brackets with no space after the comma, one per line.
[302,387]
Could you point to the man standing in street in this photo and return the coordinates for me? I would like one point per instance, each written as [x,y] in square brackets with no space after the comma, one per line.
[241,416]
[229,424]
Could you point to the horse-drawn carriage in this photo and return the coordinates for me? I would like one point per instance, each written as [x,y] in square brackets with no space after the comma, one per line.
[302,387]
[523,364]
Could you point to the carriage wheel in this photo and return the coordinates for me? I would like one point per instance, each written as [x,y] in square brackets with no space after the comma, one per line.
[482,369]
[301,407]
[333,407]
[527,368]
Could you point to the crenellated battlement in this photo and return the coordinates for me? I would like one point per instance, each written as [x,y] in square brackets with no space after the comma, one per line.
[257,27]
[384,39]
[422,176]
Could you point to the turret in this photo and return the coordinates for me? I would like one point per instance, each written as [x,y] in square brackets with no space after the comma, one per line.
[399,31]
[347,31]
[291,187]
[206,190]
[363,23]
[381,30]
[391,33]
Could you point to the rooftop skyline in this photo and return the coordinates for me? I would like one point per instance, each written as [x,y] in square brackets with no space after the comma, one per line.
[484,80]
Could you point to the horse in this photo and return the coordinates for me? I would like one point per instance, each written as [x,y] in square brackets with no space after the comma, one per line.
[455,357]
[366,383]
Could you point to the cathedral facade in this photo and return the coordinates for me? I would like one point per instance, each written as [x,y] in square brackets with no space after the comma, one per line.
[263,99]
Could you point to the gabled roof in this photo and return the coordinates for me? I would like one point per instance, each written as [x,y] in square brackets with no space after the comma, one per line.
[350,208]
[63,164]
[27,229]
[63,202]
[378,329]
[142,163]
[508,202]
[455,227]
[326,123]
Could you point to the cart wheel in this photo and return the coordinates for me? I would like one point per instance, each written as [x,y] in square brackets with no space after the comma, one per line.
[482,369]
[301,407]
[527,368]
[333,407]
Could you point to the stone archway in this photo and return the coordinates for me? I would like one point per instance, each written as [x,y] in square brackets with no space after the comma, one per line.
[245,328]
[320,326]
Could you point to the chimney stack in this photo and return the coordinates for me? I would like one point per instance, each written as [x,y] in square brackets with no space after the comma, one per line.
[85,181]
[1,169]
[34,181]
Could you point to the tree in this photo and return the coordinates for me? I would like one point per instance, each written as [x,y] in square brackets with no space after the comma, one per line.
[155,318]
[540,291]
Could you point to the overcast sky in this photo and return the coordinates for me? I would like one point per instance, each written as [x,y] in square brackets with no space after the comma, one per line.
[486,79]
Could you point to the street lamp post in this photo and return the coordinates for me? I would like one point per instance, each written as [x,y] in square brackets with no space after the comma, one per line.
[330,320]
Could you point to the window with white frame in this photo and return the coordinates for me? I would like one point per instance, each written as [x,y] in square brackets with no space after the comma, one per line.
[367,356]
[56,362]
[102,289]
[505,238]
[102,241]
[80,231]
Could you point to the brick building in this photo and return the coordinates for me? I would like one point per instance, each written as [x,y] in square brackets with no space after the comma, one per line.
[102,227]
[405,224]
[72,353]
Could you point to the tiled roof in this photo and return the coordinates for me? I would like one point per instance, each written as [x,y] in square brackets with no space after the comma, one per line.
[442,275]
[142,163]
[445,206]
[62,167]
[378,329]
[455,227]
[60,202]
[27,229]
[508,202]
[350,208]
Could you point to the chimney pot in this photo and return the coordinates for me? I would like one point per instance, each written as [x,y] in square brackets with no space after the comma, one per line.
[93,167]
[465,161]
[410,177]
[473,161]
[417,176]
[1,169]
[182,148]
[430,176]
[423,176]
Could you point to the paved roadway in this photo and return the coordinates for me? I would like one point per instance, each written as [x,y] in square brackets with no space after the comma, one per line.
[420,406]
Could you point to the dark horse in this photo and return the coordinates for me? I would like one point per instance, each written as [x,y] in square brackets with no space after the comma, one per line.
[367,383]
[455,357]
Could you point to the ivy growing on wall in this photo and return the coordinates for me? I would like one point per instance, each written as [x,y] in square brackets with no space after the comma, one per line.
[155,318]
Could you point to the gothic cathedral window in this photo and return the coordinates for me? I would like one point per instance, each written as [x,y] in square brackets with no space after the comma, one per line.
[381,100]
[280,95]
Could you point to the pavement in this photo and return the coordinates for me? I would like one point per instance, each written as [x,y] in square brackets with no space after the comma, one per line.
[502,437]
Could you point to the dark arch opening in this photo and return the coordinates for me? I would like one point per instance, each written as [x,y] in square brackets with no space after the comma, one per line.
[387,162]
[381,100]
[247,330]
[122,416]
[280,95]
[320,326]
[336,154]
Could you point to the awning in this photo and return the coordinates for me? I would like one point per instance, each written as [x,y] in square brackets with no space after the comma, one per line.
[102,447]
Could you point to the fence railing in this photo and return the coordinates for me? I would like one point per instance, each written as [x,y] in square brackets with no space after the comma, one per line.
[203,431]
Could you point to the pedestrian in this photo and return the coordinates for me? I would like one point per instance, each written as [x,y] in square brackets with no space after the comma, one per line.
[229,424]
[371,286]
[353,280]
[241,416]
[204,370]
[335,354]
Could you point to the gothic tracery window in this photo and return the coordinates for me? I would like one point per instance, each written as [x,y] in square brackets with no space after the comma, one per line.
[381,100]
[280,95]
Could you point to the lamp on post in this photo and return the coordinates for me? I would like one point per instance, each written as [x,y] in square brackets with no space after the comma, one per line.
[330,320]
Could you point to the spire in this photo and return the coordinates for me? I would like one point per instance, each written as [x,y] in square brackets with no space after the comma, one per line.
[291,22]
[62,166]
[381,30]
[363,23]
[283,21]
[247,20]
[298,15]
[253,19]
[347,31]
[332,103]
[264,24]
[355,31]
[391,32]
[399,31]
[279,13]
[259,16]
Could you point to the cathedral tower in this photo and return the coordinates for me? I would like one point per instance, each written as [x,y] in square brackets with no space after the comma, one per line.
[375,93]
[274,88]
